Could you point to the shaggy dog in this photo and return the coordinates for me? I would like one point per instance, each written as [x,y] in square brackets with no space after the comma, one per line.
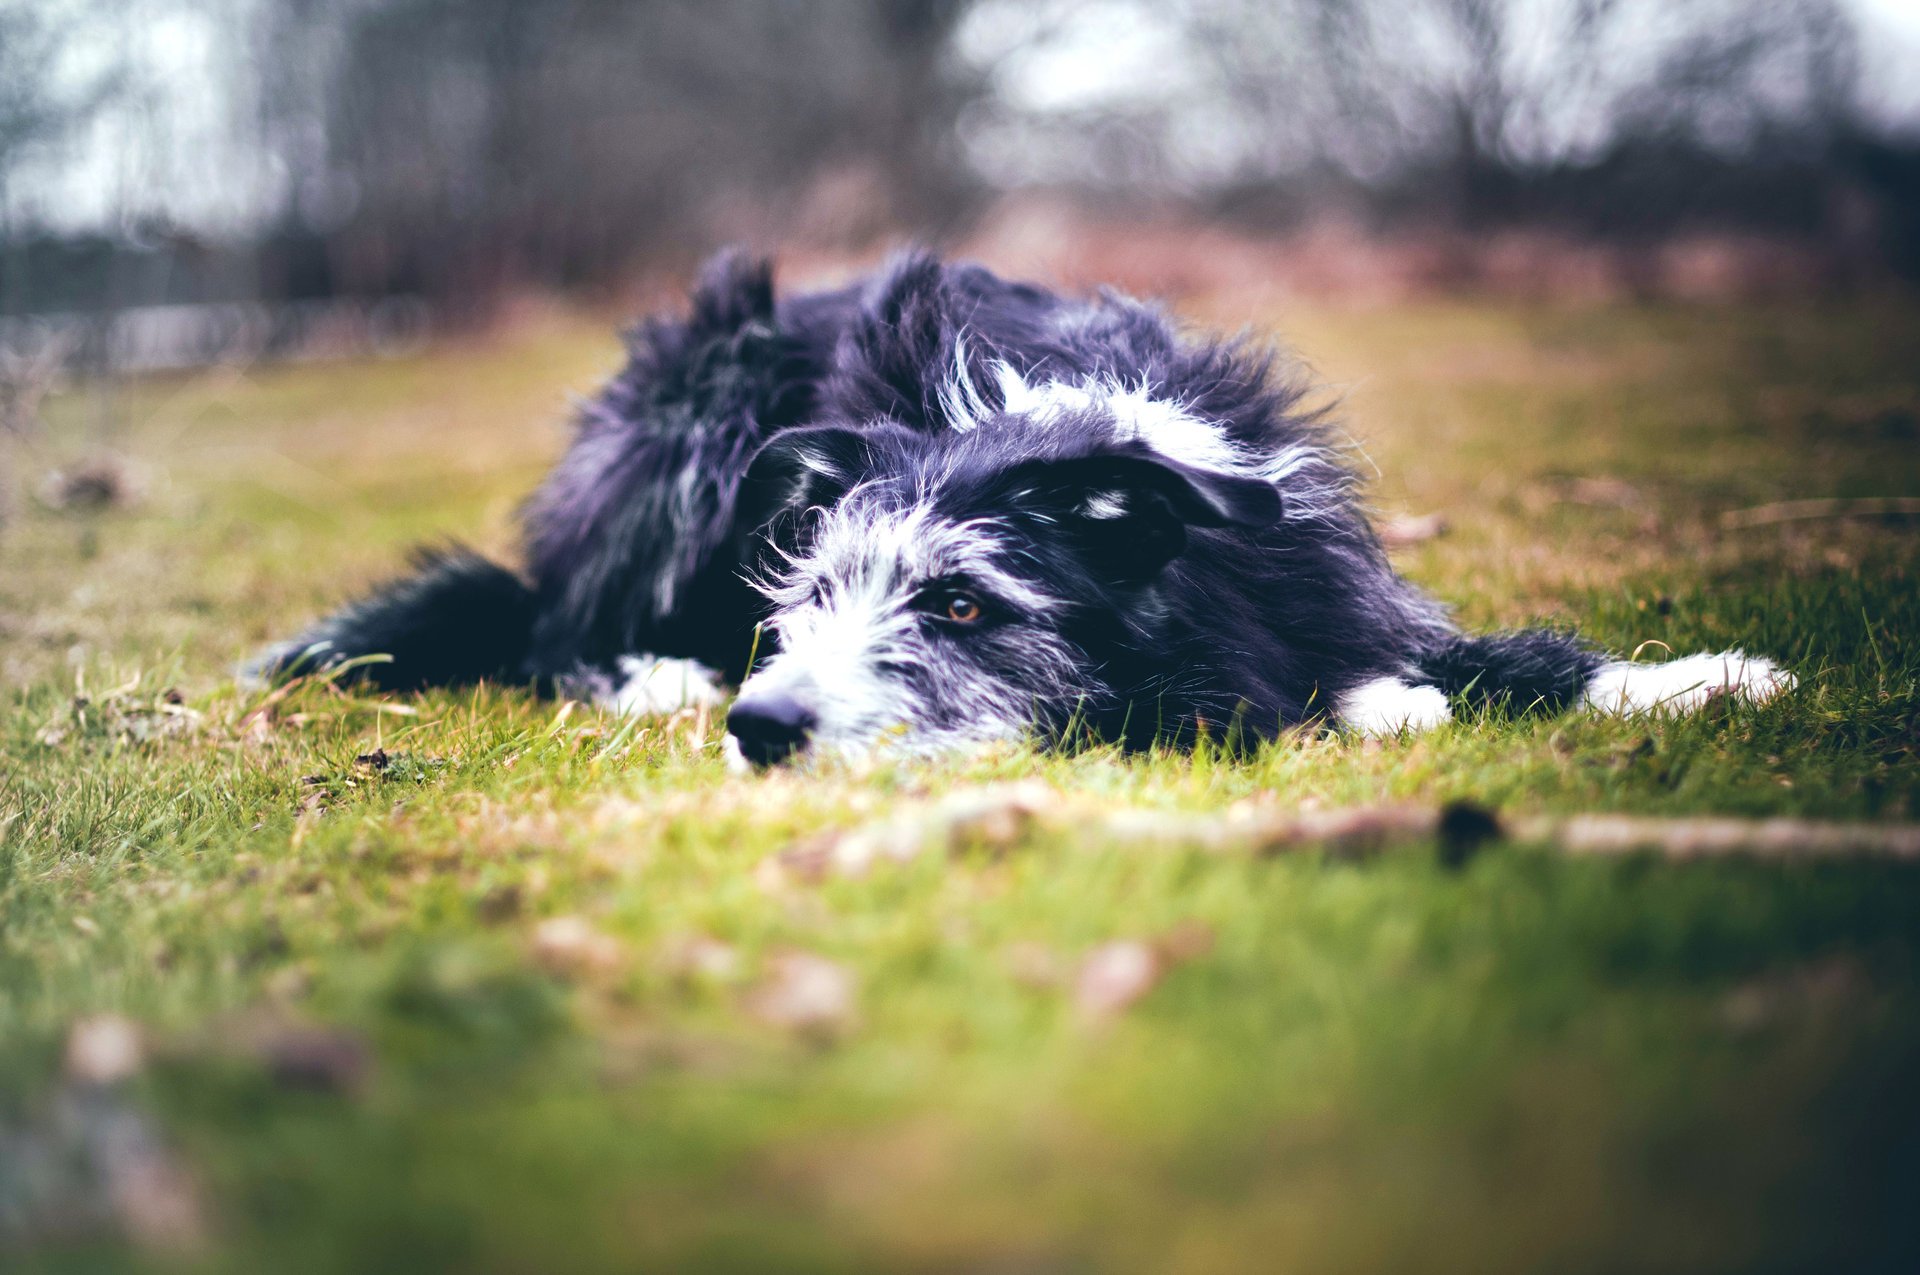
[937,508]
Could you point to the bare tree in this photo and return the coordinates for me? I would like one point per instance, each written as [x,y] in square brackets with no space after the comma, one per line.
[37,108]
[1459,101]
[484,142]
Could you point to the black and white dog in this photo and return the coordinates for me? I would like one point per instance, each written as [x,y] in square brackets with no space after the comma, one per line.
[937,508]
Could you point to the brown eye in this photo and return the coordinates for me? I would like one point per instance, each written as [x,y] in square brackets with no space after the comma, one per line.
[962,609]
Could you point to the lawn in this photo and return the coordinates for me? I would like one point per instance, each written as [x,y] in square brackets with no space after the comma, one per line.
[329,982]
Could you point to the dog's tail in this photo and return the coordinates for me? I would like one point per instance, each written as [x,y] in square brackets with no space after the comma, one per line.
[456,620]
[1548,670]
[1529,670]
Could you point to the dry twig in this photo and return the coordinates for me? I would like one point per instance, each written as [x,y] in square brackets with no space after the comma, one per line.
[1000,816]
[1807,510]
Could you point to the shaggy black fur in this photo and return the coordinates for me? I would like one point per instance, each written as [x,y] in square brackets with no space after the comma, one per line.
[1219,598]
[1537,669]
[457,619]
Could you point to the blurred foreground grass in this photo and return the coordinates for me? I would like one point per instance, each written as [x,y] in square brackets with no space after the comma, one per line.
[518,992]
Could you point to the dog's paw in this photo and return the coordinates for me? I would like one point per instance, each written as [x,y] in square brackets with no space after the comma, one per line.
[1624,689]
[651,685]
[1389,706]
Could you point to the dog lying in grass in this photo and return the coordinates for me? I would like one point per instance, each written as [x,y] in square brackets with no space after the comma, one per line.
[935,508]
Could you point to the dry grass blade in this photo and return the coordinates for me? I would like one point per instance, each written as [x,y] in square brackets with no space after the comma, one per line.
[1808,510]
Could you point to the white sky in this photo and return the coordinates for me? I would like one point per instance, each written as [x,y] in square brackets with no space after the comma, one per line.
[1892,63]
[1101,53]
[173,136]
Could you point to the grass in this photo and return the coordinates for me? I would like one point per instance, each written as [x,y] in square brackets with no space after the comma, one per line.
[361,1054]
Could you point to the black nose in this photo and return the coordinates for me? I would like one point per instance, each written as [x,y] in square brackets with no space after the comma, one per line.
[770,727]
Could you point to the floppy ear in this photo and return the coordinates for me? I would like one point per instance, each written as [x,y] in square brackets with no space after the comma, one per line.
[894,355]
[797,470]
[1128,511]
[802,469]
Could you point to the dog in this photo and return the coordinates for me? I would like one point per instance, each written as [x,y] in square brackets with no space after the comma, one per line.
[934,509]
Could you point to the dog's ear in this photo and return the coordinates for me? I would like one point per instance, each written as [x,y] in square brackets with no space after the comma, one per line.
[802,469]
[798,470]
[905,344]
[1128,511]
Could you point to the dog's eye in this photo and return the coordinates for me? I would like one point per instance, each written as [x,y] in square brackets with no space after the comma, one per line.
[951,605]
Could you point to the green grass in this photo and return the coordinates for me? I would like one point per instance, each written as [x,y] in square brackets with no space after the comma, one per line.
[357,1059]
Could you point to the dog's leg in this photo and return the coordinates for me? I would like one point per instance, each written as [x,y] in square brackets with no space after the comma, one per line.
[1625,689]
[651,684]
[1389,706]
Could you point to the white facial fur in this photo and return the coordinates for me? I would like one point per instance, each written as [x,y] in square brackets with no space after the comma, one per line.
[856,651]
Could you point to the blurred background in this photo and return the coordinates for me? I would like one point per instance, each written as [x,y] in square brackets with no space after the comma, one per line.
[189,181]
[1616,298]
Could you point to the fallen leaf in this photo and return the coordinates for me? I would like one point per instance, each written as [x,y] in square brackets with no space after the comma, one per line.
[501,902]
[805,993]
[318,1059]
[1114,976]
[803,863]
[123,717]
[994,818]
[568,945]
[1034,965]
[290,983]
[699,957]
[1188,940]
[103,1049]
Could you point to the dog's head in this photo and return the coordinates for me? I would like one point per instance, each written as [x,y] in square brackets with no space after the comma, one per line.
[936,590]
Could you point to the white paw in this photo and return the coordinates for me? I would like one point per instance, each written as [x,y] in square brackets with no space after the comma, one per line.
[1684,685]
[1388,706]
[652,686]
[732,758]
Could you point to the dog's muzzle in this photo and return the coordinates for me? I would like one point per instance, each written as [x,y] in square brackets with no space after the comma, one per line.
[770,727]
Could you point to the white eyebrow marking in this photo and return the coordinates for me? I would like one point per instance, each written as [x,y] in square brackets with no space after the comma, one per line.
[1138,414]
